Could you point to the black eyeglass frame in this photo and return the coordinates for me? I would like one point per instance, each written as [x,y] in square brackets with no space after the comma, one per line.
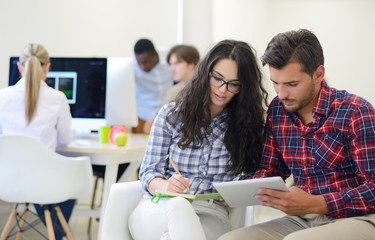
[226,83]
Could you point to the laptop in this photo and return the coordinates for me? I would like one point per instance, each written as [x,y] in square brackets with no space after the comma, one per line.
[241,193]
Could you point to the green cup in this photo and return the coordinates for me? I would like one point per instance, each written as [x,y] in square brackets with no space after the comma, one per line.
[104,133]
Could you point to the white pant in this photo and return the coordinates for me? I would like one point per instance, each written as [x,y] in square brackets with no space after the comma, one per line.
[199,220]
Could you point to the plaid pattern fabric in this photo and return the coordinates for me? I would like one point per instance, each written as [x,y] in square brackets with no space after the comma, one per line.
[202,166]
[333,156]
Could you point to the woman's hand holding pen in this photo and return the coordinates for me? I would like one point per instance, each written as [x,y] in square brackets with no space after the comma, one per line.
[176,183]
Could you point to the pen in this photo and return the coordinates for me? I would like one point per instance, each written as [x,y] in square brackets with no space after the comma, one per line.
[178,172]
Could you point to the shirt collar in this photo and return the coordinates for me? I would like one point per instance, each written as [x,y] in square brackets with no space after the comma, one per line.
[323,102]
[221,116]
[22,82]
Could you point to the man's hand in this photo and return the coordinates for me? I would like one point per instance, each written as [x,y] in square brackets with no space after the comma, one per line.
[296,201]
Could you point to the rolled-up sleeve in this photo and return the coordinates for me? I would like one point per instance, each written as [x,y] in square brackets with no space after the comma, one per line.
[157,151]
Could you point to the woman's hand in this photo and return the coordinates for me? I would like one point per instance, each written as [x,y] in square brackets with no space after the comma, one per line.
[176,183]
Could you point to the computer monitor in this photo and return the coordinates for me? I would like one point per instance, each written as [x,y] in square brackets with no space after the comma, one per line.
[83,81]
[100,91]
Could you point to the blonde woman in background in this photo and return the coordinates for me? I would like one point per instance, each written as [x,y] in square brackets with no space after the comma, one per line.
[182,60]
[32,108]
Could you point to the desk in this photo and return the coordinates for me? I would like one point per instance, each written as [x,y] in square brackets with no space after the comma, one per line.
[110,156]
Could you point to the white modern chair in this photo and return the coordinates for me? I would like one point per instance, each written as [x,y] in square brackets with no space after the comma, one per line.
[32,173]
[124,197]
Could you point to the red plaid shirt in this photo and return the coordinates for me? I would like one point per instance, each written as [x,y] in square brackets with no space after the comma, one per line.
[333,156]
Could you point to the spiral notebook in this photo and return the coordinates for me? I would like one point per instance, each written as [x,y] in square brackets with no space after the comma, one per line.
[190,197]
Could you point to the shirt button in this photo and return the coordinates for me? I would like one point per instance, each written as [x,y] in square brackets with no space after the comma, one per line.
[303,137]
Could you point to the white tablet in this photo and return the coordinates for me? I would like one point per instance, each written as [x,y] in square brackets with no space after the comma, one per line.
[241,193]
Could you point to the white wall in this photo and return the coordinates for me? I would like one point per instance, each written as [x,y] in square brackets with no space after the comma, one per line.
[84,28]
[110,28]
[197,29]
[344,28]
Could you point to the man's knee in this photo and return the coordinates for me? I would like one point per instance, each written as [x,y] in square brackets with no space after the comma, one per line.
[297,236]
[237,234]
[255,232]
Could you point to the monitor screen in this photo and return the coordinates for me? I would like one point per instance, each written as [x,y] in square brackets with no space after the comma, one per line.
[100,91]
[82,80]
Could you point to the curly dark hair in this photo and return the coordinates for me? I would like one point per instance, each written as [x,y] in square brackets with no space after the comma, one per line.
[243,138]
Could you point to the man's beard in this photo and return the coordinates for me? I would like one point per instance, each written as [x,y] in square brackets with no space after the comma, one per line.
[303,102]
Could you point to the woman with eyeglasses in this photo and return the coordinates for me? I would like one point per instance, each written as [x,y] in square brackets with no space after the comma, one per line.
[213,133]
[32,108]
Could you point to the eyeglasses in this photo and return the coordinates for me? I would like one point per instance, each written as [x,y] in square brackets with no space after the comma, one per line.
[218,82]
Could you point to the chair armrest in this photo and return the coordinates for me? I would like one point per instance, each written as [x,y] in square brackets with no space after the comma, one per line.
[123,198]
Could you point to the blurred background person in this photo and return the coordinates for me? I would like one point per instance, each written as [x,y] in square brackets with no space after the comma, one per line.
[32,108]
[182,60]
[153,80]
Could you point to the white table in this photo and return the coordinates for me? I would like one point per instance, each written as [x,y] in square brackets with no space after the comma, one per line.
[109,156]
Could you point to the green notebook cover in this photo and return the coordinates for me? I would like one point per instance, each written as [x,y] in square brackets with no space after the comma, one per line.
[190,197]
